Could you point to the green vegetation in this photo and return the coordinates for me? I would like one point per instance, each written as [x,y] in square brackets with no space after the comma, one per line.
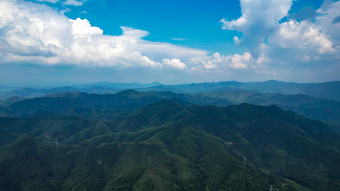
[133,141]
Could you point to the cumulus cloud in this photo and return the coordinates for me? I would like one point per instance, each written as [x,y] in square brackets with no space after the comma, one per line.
[259,18]
[83,29]
[241,61]
[244,61]
[328,20]
[272,42]
[301,39]
[176,63]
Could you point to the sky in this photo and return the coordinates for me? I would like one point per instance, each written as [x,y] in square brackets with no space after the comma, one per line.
[58,42]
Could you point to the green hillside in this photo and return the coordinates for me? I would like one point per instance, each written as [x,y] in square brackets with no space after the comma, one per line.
[168,146]
[110,105]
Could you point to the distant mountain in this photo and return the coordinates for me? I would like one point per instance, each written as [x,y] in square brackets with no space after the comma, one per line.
[110,105]
[98,88]
[4,88]
[168,146]
[312,107]
[32,92]
[84,104]
[64,102]
[11,100]
[328,90]
[116,86]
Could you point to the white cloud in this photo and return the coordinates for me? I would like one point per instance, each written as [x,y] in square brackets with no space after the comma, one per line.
[160,50]
[179,39]
[262,60]
[302,36]
[74,2]
[291,43]
[218,58]
[36,33]
[241,61]
[83,29]
[236,61]
[176,63]
[209,65]
[264,12]
[259,18]
[65,2]
[328,20]
[236,40]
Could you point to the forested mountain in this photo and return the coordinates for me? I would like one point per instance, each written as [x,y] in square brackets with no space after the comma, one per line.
[109,105]
[162,144]
[312,107]
[74,102]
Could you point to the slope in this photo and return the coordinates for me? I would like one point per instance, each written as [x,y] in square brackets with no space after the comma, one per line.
[168,146]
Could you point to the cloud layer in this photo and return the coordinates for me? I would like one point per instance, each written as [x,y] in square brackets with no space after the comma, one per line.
[275,46]
[36,33]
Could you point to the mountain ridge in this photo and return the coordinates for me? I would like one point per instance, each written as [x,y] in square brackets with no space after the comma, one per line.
[85,104]
[194,140]
[328,90]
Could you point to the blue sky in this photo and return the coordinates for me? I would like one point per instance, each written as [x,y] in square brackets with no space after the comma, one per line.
[193,23]
[51,42]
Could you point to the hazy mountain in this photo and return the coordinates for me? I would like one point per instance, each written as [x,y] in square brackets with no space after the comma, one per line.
[79,103]
[110,105]
[167,146]
[328,90]
[116,86]
[98,88]
[34,92]
[11,100]
[312,107]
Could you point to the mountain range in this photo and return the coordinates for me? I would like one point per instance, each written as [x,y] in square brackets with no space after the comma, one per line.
[326,90]
[217,139]
[74,103]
